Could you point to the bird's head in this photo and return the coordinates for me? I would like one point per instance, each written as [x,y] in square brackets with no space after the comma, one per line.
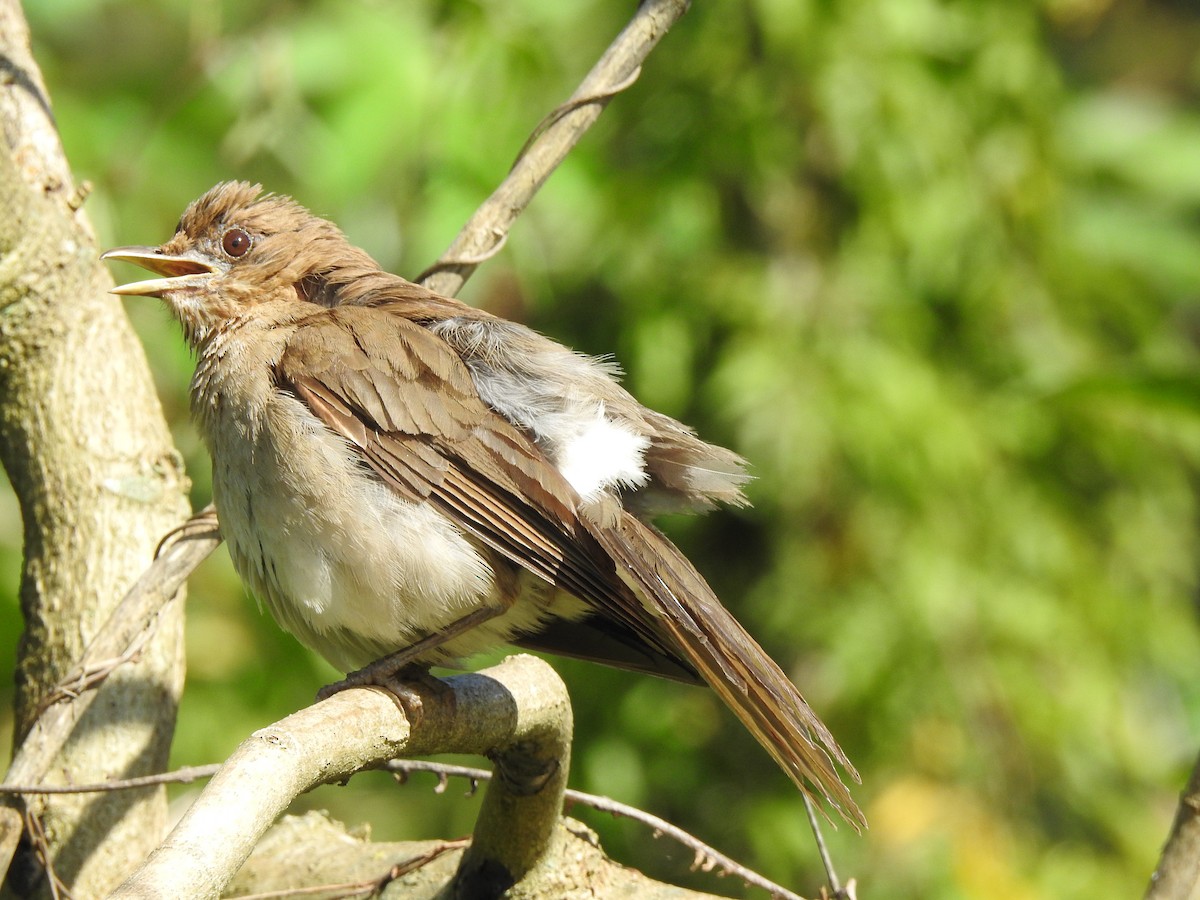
[235,248]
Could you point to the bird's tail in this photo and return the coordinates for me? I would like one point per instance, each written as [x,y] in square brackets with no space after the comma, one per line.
[731,661]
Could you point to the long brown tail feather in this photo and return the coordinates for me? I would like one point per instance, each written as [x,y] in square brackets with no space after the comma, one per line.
[731,661]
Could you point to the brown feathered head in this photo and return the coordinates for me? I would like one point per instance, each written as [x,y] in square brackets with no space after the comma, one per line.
[235,247]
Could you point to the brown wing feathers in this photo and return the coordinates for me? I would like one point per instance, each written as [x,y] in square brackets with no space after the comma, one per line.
[475,465]
[422,428]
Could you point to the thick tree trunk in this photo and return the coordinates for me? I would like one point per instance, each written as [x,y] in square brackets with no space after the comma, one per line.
[85,445]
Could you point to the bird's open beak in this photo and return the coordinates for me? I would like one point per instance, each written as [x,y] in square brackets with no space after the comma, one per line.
[181,272]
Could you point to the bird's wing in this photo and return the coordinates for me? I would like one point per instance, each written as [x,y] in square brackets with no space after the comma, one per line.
[730,660]
[405,401]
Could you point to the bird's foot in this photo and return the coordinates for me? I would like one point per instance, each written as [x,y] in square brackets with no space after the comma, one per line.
[400,671]
[202,524]
[409,684]
[381,673]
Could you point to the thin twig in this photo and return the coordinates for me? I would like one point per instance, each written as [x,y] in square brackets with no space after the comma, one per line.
[826,860]
[41,845]
[86,676]
[133,618]
[185,775]
[706,858]
[577,102]
[1177,875]
[202,524]
[344,888]
[373,887]
[552,140]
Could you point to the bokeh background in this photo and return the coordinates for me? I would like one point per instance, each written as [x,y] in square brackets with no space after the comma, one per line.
[933,267]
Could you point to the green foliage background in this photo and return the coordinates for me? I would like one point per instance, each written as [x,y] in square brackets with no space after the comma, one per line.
[933,267]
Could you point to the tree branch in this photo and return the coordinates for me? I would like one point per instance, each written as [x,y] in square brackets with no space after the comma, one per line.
[706,857]
[330,857]
[1177,875]
[502,712]
[618,68]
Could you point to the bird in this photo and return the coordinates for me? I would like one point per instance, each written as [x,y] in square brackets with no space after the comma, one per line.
[405,480]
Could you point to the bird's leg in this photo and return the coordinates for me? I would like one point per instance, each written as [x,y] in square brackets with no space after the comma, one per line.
[387,672]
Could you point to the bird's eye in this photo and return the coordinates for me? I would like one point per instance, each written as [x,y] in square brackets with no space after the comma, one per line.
[235,242]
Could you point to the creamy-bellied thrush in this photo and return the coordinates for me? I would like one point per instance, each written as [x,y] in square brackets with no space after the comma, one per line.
[405,479]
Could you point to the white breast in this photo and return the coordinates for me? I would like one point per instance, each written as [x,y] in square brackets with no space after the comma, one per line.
[341,560]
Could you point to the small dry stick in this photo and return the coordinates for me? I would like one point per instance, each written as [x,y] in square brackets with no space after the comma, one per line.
[1177,875]
[706,858]
[822,849]
[37,835]
[372,888]
[133,618]
[552,140]
[185,775]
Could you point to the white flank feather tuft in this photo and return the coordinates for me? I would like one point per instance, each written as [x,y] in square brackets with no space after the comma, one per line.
[603,454]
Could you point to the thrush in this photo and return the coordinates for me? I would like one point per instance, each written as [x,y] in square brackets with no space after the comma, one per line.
[405,480]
